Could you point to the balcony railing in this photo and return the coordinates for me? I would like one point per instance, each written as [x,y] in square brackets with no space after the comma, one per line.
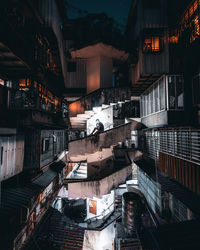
[183,143]
[28,94]
[165,94]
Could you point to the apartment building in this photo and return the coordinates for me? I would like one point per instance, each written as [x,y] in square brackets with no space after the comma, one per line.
[135,185]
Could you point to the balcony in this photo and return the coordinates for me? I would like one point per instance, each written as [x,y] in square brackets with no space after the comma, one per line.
[163,103]
[29,94]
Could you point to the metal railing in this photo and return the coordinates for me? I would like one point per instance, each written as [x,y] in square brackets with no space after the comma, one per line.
[183,143]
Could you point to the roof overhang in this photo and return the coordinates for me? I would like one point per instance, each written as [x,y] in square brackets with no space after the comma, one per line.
[144,82]
[10,64]
[100,49]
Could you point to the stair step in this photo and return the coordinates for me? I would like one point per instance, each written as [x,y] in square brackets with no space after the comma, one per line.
[105,106]
[80,174]
[82,168]
[97,109]
[84,116]
[88,112]
[78,119]
[79,171]
[83,164]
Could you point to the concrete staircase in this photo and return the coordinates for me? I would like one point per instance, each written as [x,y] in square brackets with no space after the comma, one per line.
[90,157]
[79,171]
[79,121]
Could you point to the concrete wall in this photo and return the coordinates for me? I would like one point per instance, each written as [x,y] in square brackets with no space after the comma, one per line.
[105,116]
[99,73]
[98,188]
[95,143]
[93,74]
[163,118]
[96,163]
[106,139]
[105,72]
[97,98]
[100,240]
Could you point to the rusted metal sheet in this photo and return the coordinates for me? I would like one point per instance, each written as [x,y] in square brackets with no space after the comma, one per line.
[184,172]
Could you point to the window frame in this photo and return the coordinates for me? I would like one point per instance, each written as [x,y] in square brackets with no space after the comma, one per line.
[152,38]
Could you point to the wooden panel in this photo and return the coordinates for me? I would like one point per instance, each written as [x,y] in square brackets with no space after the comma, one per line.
[184,172]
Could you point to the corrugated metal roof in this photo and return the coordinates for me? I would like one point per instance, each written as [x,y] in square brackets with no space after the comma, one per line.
[14,199]
[46,178]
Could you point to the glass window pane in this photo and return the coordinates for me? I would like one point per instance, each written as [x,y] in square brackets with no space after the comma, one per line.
[152,102]
[145,105]
[142,106]
[162,94]
[196,90]
[179,91]
[171,91]
[156,98]
[148,104]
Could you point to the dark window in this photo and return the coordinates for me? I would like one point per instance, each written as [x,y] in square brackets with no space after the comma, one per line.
[196,90]
[171,91]
[1,155]
[71,67]
[45,145]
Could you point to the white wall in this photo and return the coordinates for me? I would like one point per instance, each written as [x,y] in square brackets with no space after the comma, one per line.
[99,73]
[100,240]
[105,116]
[93,74]
[12,155]
[98,188]
[104,206]
[105,72]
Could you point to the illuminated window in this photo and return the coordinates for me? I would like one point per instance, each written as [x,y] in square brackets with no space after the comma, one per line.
[196,26]
[173,39]
[152,44]
[24,82]
[195,5]
[186,16]
[191,10]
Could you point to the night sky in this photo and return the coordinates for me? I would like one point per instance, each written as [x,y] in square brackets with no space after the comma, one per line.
[117,9]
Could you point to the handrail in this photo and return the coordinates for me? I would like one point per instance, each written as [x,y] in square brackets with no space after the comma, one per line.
[105,131]
[100,90]
[95,217]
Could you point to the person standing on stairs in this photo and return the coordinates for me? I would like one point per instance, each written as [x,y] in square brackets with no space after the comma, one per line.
[99,128]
